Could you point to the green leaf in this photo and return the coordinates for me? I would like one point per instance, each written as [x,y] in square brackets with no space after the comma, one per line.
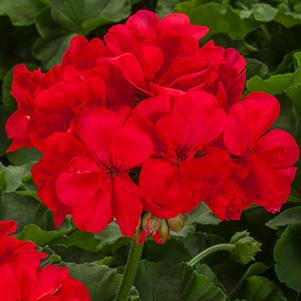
[41,237]
[24,209]
[84,16]
[23,156]
[287,256]
[276,84]
[256,67]
[13,176]
[9,103]
[279,83]
[220,18]
[101,281]
[258,288]
[287,18]
[165,281]
[110,238]
[4,141]
[20,12]
[291,216]
[264,12]
[202,215]
[165,7]
[82,240]
[53,42]
[172,249]
[65,18]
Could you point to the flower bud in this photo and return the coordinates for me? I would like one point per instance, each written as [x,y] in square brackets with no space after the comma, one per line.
[246,247]
[162,234]
[176,223]
[150,223]
[141,236]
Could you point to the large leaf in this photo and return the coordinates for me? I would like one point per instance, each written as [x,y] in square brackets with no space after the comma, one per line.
[287,256]
[220,18]
[24,209]
[278,83]
[41,237]
[165,281]
[65,18]
[20,12]
[101,281]
[258,288]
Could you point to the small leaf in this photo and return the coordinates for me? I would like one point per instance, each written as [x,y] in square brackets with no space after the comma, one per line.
[14,176]
[202,215]
[290,216]
[264,12]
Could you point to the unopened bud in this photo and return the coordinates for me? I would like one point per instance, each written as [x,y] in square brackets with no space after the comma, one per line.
[150,223]
[246,247]
[141,236]
[162,234]
[176,223]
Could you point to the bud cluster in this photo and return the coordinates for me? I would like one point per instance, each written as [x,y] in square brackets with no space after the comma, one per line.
[158,229]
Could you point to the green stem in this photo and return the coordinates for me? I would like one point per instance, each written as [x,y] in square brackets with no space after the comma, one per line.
[130,271]
[209,251]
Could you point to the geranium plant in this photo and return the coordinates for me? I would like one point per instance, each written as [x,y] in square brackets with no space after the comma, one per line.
[144,128]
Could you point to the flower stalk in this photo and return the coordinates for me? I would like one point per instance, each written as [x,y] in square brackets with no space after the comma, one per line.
[211,250]
[130,271]
[242,248]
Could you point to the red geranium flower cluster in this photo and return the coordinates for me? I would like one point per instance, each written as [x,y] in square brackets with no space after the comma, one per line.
[150,121]
[22,278]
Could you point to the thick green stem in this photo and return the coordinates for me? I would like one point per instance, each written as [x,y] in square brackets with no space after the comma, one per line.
[209,251]
[130,271]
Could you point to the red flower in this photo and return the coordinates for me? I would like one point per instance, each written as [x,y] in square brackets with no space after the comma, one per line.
[48,102]
[22,279]
[60,149]
[92,182]
[262,161]
[184,170]
[164,57]
[11,249]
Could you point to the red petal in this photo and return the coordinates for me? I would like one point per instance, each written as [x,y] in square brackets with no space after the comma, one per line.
[126,204]
[242,131]
[154,108]
[80,183]
[204,120]
[152,60]
[144,23]
[165,195]
[130,148]
[273,185]
[94,214]
[228,202]
[95,127]
[131,70]
[206,173]
[277,149]
[16,128]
